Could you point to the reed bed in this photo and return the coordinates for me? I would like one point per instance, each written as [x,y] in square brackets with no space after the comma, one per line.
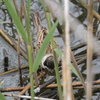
[69,62]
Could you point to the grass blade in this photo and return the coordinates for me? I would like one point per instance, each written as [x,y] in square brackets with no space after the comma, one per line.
[0,2]
[43,47]
[2,97]
[59,52]
[71,66]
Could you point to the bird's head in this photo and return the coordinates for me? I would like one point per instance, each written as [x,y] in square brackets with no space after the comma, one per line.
[48,62]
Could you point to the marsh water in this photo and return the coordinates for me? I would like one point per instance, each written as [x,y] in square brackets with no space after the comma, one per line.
[6,50]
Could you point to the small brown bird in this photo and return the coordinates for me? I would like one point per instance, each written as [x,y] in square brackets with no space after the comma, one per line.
[47,60]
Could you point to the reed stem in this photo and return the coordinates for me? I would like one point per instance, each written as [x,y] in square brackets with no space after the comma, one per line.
[29,50]
[30,69]
[55,59]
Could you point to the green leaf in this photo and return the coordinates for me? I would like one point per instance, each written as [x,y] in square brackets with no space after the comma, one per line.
[2,97]
[74,70]
[12,4]
[43,47]
[2,82]
[59,52]
[0,2]
[71,66]
[16,19]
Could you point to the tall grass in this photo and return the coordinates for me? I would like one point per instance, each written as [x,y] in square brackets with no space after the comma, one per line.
[55,58]
[47,14]
[33,67]
[22,33]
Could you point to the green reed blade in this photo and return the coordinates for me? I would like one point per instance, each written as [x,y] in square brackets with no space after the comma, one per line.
[2,97]
[55,59]
[30,69]
[2,82]
[71,66]
[59,52]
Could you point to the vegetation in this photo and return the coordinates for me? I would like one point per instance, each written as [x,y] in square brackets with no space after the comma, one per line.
[67,92]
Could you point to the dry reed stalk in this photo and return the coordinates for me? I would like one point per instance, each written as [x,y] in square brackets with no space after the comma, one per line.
[20,73]
[89,50]
[32,51]
[14,70]
[62,35]
[78,46]
[18,46]
[11,89]
[18,52]
[26,97]
[77,69]
[67,87]
[55,18]
[81,87]
[86,6]
[12,43]
[76,85]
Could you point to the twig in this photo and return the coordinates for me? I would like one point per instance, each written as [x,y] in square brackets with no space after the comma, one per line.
[93,87]
[86,6]
[27,87]
[74,84]
[32,51]
[18,51]
[78,46]
[46,84]
[12,43]
[72,56]
[14,70]
[26,97]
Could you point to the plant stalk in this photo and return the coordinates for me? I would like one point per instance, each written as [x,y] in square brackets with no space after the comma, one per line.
[29,50]
[55,59]
[30,69]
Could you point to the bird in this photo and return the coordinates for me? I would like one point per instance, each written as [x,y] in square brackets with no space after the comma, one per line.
[47,60]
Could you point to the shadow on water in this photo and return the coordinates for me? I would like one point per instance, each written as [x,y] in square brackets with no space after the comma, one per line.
[7,52]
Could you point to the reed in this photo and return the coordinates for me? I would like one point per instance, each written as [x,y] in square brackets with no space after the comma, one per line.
[66,55]
[27,38]
[89,50]
[1,95]
[55,59]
